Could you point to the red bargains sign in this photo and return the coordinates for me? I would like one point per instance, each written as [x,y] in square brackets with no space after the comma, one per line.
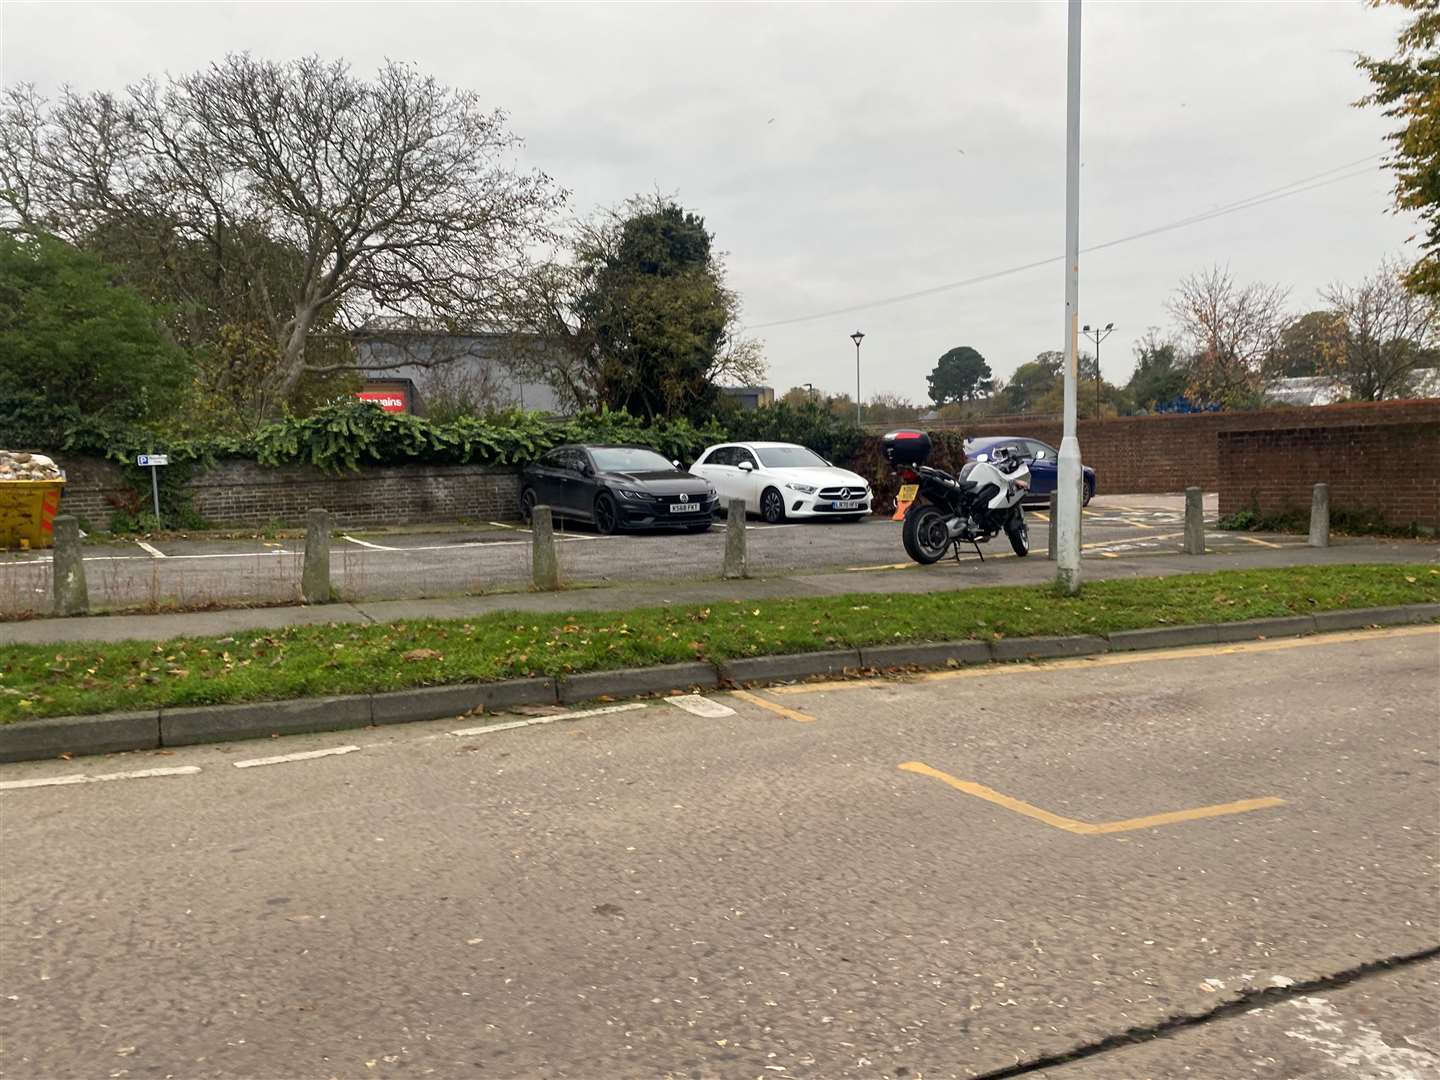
[389,400]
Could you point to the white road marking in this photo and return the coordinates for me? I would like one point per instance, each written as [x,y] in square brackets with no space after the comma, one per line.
[366,543]
[138,774]
[306,755]
[701,706]
[510,725]
[154,552]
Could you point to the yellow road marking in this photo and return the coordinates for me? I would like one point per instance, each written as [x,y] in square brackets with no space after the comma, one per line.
[1039,516]
[1147,656]
[883,566]
[1136,524]
[781,710]
[1256,540]
[1087,828]
[1128,540]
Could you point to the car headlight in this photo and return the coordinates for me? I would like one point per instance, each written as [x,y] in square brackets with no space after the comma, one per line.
[626,493]
[713,494]
[804,489]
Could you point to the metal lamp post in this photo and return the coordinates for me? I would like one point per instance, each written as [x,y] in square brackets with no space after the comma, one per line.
[857,337]
[1097,335]
[1067,509]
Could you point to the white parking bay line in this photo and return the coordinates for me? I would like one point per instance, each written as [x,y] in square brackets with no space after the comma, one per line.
[534,720]
[701,706]
[306,755]
[366,543]
[154,552]
[138,774]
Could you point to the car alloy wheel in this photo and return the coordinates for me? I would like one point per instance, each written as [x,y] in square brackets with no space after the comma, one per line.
[772,506]
[527,505]
[607,515]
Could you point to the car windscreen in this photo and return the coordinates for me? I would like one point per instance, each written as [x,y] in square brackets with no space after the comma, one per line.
[629,459]
[789,457]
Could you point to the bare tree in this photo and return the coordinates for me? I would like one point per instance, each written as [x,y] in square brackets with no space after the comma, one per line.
[1388,332]
[390,197]
[1232,331]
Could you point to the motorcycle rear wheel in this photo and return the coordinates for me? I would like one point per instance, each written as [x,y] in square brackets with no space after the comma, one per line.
[925,536]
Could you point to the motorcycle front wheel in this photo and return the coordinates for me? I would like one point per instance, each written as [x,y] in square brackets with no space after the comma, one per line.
[926,538]
[1019,533]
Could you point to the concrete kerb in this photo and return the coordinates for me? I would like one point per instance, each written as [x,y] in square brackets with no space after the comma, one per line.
[1048,648]
[938,655]
[789,667]
[106,733]
[438,702]
[632,682]
[29,740]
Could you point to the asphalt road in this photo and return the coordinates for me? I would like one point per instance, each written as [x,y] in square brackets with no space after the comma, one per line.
[203,573]
[944,876]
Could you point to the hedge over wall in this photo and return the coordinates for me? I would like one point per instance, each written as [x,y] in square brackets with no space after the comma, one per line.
[348,434]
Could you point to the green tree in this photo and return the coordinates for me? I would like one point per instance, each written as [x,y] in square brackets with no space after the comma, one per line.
[648,322]
[1308,345]
[1161,374]
[1032,383]
[1407,88]
[73,343]
[960,375]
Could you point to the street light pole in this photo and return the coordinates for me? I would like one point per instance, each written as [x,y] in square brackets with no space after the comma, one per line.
[1097,335]
[1067,510]
[857,337]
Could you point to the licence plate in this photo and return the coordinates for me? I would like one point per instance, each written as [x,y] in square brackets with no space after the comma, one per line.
[908,492]
[684,508]
[850,504]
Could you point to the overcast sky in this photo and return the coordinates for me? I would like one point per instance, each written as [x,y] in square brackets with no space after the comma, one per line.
[845,154]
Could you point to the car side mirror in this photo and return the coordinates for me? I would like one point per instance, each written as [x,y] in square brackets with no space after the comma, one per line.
[1039,454]
[747,466]
[587,469]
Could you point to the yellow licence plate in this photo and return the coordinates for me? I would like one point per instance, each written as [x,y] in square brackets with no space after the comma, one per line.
[908,492]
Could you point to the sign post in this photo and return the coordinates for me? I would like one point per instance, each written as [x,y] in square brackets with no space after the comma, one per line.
[154,461]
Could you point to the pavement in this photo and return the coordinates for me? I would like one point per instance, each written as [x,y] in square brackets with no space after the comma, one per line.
[157,574]
[1112,551]
[983,872]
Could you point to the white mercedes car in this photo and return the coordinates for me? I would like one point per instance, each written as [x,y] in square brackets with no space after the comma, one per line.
[782,480]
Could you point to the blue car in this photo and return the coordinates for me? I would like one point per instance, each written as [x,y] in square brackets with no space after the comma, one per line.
[1042,458]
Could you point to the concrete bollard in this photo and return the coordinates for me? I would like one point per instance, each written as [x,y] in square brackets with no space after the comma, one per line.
[544,565]
[1194,521]
[71,597]
[1320,516]
[734,566]
[315,576]
[1054,514]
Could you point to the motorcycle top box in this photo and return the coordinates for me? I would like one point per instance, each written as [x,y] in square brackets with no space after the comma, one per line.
[905,447]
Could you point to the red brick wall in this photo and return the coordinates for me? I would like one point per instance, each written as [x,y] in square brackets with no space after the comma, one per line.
[1391,468]
[1172,452]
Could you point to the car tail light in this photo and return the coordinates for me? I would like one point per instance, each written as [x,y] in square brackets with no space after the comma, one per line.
[909,476]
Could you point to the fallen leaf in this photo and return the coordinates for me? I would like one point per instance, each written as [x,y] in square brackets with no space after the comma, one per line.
[415,655]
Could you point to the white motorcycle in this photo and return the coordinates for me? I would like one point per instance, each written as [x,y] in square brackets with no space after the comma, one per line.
[971,508]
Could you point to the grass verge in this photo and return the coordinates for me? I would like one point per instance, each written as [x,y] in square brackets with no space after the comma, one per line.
[306,661]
